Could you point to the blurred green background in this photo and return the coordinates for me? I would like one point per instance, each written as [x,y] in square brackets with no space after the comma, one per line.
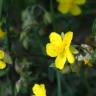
[28,24]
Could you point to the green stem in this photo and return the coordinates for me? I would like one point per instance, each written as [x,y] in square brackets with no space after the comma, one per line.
[54,28]
[1,7]
[13,89]
[12,72]
[52,15]
[58,83]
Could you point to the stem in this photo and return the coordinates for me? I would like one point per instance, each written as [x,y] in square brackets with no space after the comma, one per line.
[58,83]
[1,7]
[54,28]
[12,72]
[52,15]
[13,89]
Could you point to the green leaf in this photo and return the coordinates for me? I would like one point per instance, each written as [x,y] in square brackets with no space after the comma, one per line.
[23,35]
[71,68]
[24,39]
[8,59]
[74,50]
[25,42]
[4,72]
[66,70]
[47,18]
[52,65]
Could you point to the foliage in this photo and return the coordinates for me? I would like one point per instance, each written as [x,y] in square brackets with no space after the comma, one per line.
[25,27]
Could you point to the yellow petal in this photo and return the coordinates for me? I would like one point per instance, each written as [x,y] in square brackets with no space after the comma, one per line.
[51,50]
[75,11]
[39,90]
[60,61]
[69,56]
[67,39]
[2,65]
[43,89]
[64,8]
[80,2]
[36,90]
[2,34]
[1,54]
[55,38]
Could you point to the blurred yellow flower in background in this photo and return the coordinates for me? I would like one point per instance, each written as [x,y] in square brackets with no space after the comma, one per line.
[2,63]
[70,6]
[1,54]
[2,34]
[59,47]
[39,90]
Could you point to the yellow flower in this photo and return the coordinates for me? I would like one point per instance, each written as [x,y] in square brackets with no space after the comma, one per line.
[1,54]
[70,6]
[60,48]
[2,34]
[2,63]
[39,90]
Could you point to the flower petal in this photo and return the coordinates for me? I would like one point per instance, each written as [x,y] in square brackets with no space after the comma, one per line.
[2,34]
[80,2]
[51,50]
[39,90]
[36,90]
[75,10]
[69,56]
[43,89]
[60,61]
[1,54]
[67,39]
[64,8]
[2,65]
[55,38]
